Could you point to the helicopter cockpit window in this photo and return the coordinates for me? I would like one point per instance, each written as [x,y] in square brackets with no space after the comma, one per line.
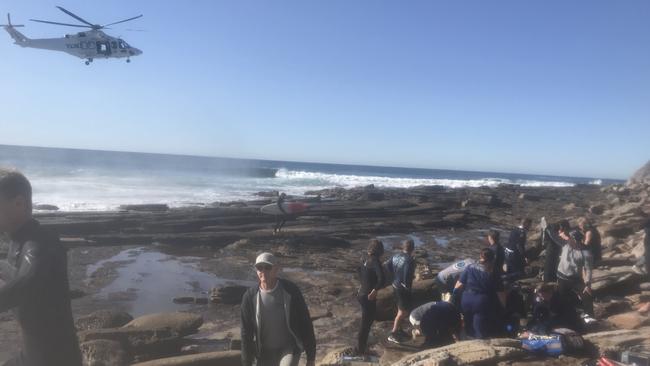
[113,44]
[123,44]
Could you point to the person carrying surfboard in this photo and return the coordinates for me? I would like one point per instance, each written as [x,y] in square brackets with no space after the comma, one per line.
[281,219]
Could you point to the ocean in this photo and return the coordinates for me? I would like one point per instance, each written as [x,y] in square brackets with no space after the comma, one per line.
[90,180]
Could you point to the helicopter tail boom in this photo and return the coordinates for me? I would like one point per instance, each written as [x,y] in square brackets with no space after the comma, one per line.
[18,37]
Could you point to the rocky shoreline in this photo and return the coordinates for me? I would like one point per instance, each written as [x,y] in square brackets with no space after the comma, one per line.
[320,251]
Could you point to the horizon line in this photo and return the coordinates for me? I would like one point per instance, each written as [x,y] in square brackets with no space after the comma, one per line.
[300,162]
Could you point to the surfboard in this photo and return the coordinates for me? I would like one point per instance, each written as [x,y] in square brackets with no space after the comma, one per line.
[289,207]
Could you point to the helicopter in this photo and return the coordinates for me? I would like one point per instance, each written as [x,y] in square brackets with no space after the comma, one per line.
[89,45]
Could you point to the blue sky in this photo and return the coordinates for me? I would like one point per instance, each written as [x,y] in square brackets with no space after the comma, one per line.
[550,87]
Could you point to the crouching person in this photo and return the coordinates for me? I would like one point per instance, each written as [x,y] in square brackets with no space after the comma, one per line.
[275,323]
[438,321]
[551,311]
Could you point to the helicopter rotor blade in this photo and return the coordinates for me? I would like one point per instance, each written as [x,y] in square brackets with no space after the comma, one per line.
[56,23]
[75,16]
[136,30]
[122,21]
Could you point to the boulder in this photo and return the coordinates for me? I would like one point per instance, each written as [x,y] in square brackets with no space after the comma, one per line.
[609,242]
[617,340]
[638,250]
[181,323]
[224,358]
[141,344]
[636,299]
[487,352]
[229,295]
[627,209]
[618,230]
[641,176]
[103,319]
[422,292]
[103,352]
[335,357]
[629,320]
[614,279]
[597,209]
[606,309]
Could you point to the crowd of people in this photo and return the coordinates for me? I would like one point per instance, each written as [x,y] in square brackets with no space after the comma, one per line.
[276,327]
[483,298]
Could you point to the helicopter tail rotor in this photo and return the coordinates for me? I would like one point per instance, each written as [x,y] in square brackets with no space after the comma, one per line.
[9,23]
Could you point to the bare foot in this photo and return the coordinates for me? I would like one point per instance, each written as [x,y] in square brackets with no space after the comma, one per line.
[644,308]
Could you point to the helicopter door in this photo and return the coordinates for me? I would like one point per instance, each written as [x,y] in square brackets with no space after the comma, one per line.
[103,48]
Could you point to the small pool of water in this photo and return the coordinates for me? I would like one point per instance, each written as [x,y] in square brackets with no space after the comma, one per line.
[442,241]
[149,281]
[394,241]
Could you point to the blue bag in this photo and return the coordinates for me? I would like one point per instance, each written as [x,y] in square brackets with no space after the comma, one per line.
[550,345]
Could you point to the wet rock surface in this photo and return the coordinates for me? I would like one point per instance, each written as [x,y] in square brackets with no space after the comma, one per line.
[117,259]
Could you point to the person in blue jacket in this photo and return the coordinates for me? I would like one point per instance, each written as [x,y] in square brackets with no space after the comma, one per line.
[482,293]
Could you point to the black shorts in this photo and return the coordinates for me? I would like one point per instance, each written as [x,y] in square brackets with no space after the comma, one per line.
[403,298]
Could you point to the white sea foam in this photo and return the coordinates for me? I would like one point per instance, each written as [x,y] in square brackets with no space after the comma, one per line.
[85,190]
[351,181]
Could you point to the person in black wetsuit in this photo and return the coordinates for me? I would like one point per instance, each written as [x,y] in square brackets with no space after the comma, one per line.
[515,250]
[372,279]
[499,253]
[281,219]
[36,281]
[592,240]
[552,250]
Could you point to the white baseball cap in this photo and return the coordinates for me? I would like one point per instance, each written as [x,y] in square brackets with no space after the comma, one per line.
[265,258]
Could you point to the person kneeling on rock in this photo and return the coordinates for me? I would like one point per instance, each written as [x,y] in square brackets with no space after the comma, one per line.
[275,323]
[438,321]
[552,311]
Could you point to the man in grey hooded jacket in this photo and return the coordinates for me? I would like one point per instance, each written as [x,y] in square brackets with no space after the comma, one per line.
[574,270]
[275,323]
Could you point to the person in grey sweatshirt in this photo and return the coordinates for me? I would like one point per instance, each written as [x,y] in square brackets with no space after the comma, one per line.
[574,270]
